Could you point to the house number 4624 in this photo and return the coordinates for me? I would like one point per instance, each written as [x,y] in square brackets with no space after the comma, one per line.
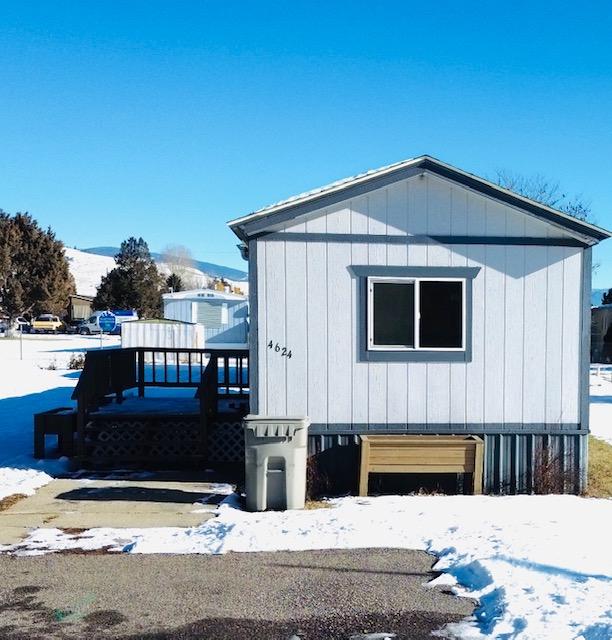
[283,351]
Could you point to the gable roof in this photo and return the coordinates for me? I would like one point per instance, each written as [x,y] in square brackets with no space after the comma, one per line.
[260,221]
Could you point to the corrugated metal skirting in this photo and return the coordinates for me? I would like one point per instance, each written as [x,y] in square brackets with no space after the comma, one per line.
[514,463]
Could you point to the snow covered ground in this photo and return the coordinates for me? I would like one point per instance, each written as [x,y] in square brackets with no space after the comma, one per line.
[601,403]
[540,566]
[34,377]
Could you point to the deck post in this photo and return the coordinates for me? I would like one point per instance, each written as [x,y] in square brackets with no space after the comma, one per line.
[141,373]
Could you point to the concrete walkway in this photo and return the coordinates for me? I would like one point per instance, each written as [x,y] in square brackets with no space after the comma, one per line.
[83,504]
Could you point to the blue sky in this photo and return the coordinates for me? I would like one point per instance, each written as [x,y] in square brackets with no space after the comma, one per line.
[166,119]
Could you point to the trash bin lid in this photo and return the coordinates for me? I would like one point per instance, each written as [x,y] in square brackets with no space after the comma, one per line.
[275,427]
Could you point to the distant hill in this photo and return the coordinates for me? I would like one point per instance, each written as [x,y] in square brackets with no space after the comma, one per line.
[215,270]
[87,269]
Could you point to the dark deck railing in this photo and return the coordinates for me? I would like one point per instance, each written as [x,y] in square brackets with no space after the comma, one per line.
[220,379]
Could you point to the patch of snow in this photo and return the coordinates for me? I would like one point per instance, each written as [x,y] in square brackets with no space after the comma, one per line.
[23,481]
[539,566]
[600,416]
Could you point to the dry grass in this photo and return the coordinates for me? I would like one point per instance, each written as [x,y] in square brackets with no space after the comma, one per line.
[600,469]
[316,504]
[73,531]
[9,501]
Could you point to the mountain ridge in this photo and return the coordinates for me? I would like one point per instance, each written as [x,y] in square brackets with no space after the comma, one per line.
[210,268]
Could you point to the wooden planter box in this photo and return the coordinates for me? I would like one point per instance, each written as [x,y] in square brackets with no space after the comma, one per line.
[421,454]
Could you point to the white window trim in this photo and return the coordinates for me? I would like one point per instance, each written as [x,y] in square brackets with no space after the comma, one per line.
[372,280]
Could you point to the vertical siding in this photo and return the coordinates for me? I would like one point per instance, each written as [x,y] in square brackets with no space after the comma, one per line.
[525,363]
[534,340]
[438,223]
[554,335]
[254,328]
[417,256]
[235,331]
[377,255]
[296,318]
[360,409]
[458,258]
[338,336]
[261,379]
[316,330]
[276,328]
[476,254]
[397,372]
[572,268]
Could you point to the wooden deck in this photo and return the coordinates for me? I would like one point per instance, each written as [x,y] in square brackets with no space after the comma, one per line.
[119,425]
[147,406]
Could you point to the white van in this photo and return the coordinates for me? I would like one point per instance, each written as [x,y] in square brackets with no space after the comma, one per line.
[92,324]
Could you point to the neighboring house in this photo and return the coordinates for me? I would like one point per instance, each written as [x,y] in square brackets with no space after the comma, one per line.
[79,307]
[601,334]
[419,298]
[224,316]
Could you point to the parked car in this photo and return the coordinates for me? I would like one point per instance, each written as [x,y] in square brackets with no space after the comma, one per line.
[92,326]
[73,326]
[20,324]
[16,326]
[47,323]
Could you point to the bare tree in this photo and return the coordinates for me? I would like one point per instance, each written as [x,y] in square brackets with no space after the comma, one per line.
[539,188]
[178,260]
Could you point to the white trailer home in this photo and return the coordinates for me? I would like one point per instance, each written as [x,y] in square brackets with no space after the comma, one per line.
[420,299]
[224,316]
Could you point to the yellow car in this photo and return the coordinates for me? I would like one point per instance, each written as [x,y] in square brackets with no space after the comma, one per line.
[46,323]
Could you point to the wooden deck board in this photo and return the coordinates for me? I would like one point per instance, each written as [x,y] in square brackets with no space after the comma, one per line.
[147,406]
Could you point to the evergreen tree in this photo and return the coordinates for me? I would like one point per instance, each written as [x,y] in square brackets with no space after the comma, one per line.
[174,282]
[607,297]
[134,283]
[34,273]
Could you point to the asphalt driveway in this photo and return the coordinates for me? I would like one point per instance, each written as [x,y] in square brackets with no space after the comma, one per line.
[260,596]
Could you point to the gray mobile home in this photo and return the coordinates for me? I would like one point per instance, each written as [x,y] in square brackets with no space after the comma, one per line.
[420,299]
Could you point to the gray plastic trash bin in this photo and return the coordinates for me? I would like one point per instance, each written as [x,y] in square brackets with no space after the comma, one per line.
[275,462]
